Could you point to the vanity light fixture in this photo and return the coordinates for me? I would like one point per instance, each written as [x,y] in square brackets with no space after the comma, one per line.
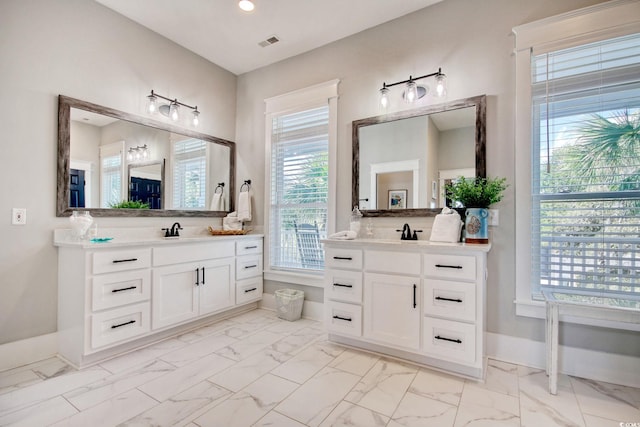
[138,153]
[171,109]
[246,5]
[414,91]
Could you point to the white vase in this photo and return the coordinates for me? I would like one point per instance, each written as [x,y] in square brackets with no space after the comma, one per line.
[80,224]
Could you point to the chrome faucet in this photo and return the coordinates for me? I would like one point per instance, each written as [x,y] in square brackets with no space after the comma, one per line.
[406,233]
[173,231]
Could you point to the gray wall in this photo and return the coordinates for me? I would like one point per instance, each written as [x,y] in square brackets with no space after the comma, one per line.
[471,40]
[80,49]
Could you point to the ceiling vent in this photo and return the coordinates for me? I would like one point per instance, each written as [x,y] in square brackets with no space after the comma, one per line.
[268,42]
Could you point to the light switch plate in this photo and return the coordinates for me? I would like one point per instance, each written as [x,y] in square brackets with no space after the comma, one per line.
[494,217]
[19,216]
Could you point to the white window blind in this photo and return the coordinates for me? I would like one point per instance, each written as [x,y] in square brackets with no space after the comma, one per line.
[189,174]
[586,167]
[111,173]
[299,189]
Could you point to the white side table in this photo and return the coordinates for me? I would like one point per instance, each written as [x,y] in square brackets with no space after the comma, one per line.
[582,303]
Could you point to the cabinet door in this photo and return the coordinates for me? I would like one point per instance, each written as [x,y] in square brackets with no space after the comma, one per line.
[392,309]
[217,285]
[175,294]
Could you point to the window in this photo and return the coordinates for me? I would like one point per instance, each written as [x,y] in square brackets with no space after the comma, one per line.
[299,207]
[111,174]
[189,174]
[578,153]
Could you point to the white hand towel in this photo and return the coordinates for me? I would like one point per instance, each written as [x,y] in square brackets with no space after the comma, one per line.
[244,206]
[344,235]
[217,202]
[446,227]
[231,223]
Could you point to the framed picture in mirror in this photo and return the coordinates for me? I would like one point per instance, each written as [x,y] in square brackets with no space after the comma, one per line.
[397,199]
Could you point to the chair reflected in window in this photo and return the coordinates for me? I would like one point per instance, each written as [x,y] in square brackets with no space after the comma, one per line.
[308,241]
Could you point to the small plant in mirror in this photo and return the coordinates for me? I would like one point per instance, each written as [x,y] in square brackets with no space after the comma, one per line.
[130,204]
[475,192]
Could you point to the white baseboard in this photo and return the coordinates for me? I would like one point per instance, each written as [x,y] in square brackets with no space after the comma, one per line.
[578,362]
[310,309]
[30,350]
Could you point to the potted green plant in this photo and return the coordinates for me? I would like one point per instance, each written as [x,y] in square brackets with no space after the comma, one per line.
[476,195]
[130,204]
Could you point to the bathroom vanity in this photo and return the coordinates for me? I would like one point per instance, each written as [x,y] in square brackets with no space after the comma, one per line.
[129,292]
[421,301]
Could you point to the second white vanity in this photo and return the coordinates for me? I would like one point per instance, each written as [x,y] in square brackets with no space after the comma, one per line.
[117,296]
[416,300]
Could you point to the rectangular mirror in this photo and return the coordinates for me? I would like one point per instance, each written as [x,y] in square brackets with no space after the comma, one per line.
[402,161]
[108,159]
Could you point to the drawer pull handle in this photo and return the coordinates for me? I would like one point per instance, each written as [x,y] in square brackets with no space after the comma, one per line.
[251,247]
[197,277]
[457,267]
[415,288]
[123,289]
[203,275]
[123,324]
[345,258]
[438,337]
[116,261]
[348,319]
[250,266]
[449,299]
[250,290]
[343,286]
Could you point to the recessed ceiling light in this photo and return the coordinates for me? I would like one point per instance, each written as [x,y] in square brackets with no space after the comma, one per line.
[246,5]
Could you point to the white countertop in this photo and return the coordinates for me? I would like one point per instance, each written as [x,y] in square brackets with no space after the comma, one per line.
[136,236]
[397,243]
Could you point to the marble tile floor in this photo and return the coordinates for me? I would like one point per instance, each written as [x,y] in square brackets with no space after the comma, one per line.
[258,370]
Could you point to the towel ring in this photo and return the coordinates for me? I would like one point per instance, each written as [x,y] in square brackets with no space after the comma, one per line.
[246,183]
[219,187]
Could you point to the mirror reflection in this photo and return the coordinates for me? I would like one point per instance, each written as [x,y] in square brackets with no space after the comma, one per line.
[119,164]
[403,161]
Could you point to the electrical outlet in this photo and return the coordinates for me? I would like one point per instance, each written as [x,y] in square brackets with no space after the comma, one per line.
[19,216]
[494,217]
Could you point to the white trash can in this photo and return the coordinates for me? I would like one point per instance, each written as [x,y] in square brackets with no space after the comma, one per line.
[289,303]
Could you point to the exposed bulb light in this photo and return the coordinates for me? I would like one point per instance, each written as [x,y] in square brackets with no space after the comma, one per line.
[246,5]
[173,111]
[441,85]
[152,104]
[411,91]
[138,153]
[170,108]
[384,96]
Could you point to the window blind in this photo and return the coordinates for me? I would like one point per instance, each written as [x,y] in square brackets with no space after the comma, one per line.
[111,173]
[299,189]
[189,174]
[586,167]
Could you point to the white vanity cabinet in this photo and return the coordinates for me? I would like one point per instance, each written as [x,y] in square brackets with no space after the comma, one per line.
[116,297]
[420,301]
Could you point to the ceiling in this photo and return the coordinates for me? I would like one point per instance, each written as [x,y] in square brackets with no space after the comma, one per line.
[225,35]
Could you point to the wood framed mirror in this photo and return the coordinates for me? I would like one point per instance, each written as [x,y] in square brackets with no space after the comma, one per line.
[94,169]
[419,151]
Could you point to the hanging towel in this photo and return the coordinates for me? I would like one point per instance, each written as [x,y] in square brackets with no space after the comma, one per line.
[244,206]
[217,202]
[446,227]
[344,235]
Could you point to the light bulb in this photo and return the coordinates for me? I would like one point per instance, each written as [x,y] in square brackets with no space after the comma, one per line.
[246,5]
[411,92]
[384,97]
[441,85]
[130,155]
[196,120]
[173,112]
[152,104]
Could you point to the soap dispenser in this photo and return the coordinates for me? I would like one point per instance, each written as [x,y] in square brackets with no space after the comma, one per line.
[354,222]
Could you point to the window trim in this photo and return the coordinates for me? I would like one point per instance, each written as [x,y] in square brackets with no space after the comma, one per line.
[307,98]
[595,23]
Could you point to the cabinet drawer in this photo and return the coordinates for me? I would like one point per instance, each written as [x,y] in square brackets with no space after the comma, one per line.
[116,289]
[461,267]
[343,258]
[177,254]
[249,247]
[248,290]
[119,324]
[344,319]
[446,339]
[248,266]
[406,263]
[454,300]
[122,260]
[343,285]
